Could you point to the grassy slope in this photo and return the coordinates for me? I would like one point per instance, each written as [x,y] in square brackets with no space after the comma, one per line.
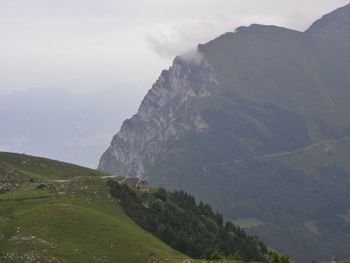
[27,167]
[74,221]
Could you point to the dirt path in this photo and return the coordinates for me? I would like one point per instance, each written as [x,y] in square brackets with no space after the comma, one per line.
[68,180]
[109,176]
[60,181]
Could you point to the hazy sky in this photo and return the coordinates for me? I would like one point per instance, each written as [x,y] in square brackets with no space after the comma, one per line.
[123,44]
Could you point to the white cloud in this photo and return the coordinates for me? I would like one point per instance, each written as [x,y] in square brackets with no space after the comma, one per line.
[170,40]
[89,44]
[181,35]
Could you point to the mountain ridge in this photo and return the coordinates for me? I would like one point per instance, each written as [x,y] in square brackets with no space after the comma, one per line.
[337,19]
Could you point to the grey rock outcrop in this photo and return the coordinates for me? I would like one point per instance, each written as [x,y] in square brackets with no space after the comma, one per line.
[141,139]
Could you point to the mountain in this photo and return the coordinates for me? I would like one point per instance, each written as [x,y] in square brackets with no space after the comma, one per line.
[58,212]
[257,124]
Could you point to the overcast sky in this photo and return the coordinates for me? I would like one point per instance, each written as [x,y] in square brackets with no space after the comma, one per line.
[123,44]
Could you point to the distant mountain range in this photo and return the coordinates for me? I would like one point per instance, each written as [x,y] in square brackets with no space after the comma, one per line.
[60,124]
[256,123]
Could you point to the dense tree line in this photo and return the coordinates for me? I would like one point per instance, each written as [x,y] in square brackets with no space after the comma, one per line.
[192,229]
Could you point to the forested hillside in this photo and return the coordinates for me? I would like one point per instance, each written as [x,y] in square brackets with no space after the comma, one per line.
[192,229]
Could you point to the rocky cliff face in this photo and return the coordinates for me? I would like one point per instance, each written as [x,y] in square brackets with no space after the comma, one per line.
[140,141]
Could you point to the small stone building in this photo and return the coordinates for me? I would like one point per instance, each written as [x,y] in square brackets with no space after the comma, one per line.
[142,185]
[136,183]
[131,182]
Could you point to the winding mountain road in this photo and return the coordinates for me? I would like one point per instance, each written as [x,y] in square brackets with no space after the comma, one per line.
[279,154]
[261,157]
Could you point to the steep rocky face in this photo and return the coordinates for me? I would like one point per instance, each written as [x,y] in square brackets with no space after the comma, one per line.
[259,128]
[140,141]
